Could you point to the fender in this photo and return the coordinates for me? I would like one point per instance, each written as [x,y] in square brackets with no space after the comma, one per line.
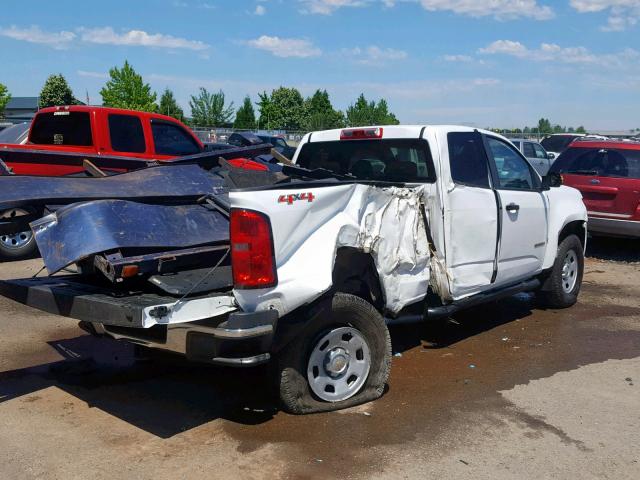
[562,200]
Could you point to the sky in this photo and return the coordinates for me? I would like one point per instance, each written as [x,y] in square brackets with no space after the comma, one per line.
[488,63]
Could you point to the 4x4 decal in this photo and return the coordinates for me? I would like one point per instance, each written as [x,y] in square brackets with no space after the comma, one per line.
[295,197]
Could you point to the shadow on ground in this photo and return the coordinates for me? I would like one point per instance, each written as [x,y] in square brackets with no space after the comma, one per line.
[167,395]
[617,249]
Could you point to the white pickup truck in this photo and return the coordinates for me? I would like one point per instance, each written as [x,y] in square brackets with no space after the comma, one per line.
[411,223]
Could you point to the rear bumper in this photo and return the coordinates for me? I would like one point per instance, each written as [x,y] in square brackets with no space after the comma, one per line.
[239,340]
[207,328]
[615,227]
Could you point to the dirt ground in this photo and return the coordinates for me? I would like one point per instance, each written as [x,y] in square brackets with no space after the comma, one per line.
[502,391]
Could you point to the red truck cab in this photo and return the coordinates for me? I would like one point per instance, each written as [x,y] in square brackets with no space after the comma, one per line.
[102,131]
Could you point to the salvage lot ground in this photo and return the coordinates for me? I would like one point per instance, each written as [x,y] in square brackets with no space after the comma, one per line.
[504,391]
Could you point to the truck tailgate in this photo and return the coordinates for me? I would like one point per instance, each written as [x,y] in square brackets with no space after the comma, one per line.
[69,297]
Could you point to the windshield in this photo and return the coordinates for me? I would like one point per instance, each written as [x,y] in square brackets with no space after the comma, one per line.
[557,143]
[393,160]
[14,133]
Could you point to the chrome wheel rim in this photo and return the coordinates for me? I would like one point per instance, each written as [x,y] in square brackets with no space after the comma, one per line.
[569,271]
[15,241]
[339,364]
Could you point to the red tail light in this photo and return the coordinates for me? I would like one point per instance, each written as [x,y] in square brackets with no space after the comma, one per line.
[361,133]
[252,256]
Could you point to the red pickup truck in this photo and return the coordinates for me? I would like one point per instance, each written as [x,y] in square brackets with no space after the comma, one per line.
[99,131]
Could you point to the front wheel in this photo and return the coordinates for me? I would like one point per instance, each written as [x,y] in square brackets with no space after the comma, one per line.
[343,359]
[16,246]
[562,286]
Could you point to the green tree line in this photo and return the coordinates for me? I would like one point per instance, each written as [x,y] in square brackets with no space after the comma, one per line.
[283,108]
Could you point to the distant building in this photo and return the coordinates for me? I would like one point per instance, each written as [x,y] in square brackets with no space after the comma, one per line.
[20,109]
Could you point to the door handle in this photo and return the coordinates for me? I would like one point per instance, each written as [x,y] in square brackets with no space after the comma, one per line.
[513,207]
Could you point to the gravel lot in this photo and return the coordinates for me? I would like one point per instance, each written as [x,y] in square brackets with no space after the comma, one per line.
[503,391]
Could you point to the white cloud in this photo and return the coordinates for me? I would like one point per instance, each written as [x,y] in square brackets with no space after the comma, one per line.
[623,14]
[138,38]
[550,52]
[500,9]
[327,7]
[375,55]
[33,34]
[285,47]
[90,74]
[260,10]
[458,58]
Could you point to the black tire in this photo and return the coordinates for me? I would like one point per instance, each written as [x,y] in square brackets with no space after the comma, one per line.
[343,310]
[553,293]
[25,251]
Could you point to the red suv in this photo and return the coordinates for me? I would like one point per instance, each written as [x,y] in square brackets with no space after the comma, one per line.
[608,175]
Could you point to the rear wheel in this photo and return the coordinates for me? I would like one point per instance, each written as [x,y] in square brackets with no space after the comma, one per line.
[342,359]
[16,246]
[563,284]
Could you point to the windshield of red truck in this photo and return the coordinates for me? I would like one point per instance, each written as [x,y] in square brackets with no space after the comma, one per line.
[390,160]
[62,128]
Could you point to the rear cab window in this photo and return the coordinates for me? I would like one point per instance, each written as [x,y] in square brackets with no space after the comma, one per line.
[602,162]
[62,128]
[126,134]
[386,160]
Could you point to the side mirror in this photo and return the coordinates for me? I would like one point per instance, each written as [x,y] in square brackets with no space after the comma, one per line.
[551,156]
[551,180]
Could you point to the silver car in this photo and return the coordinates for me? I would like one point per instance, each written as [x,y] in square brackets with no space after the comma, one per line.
[535,153]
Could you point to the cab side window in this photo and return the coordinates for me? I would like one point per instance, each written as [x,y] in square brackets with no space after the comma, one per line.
[514,173]
[540,153]
[468,160]
[126,133]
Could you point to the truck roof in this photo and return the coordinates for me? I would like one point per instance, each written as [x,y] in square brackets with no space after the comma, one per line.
[93,108]
[391,131]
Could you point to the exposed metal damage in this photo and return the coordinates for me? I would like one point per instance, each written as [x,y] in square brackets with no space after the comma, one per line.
[391,228]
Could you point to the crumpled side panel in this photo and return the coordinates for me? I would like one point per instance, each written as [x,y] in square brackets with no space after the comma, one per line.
[392,230]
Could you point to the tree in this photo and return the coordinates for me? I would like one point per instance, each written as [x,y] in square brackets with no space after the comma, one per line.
[282,110]
[126,89]
[246,116]
[363,113]
[581,129]
[56,91]
[5,96]
[169,106]
[209,110]
[544,126]
[319,114]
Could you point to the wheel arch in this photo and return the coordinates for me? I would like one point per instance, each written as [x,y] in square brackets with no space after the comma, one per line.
[355,273]
[577,228]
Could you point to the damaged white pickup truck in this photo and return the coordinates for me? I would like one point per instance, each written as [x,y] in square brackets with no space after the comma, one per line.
[410,223]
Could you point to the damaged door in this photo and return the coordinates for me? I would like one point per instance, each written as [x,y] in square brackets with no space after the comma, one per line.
[471,215]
